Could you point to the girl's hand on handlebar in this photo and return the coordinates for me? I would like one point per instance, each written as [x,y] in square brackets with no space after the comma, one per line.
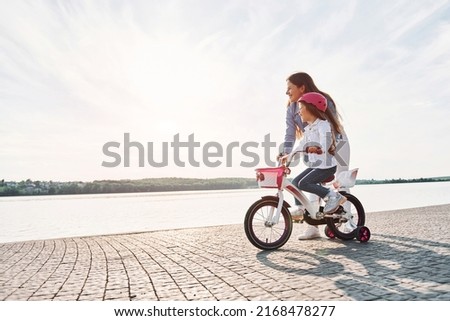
[314,150]
[280,155]
[282,158]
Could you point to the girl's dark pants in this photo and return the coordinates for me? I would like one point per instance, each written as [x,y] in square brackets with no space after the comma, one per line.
[309,181]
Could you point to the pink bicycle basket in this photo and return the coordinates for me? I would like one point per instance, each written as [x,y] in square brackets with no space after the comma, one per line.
[270,177]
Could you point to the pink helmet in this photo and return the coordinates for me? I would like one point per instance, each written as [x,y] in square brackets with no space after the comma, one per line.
[316,99]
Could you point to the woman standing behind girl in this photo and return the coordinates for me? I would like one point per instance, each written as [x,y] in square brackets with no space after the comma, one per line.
[299,84]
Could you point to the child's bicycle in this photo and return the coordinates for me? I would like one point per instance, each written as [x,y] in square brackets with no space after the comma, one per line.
[268,223]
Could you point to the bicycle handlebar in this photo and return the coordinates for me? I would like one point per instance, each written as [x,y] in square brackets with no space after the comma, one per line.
[318,151]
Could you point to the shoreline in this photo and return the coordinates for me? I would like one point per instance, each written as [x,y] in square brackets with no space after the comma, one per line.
[118,186]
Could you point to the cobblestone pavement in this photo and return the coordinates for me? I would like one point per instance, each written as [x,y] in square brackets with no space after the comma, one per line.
[408,258]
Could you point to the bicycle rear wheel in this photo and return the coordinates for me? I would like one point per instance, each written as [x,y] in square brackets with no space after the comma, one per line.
[260,231]
[356,218]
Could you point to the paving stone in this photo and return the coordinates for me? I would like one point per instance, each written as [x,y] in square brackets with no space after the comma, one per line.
[400,262]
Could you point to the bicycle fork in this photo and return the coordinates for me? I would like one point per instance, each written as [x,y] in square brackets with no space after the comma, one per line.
[273,219]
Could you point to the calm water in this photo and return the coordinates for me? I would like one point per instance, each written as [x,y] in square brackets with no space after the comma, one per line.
[44,217]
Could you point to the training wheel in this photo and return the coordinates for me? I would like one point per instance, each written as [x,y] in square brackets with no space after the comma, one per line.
[363,234]
[329,233]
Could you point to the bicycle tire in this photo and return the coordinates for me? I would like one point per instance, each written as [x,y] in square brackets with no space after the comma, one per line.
[259,233]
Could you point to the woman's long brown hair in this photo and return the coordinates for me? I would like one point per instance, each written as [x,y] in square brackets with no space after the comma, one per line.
[303,79]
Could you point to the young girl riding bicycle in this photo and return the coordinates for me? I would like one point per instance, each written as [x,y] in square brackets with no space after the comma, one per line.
[319,144]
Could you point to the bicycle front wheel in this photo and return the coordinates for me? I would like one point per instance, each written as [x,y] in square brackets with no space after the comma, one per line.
[261,231]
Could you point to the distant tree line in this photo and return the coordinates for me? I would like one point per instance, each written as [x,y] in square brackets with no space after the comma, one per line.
[167,184]
[402,180]
[29,187]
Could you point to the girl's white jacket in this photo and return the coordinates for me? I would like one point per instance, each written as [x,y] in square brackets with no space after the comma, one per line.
[317,134]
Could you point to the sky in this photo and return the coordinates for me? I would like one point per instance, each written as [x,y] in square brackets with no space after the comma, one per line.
[76,76]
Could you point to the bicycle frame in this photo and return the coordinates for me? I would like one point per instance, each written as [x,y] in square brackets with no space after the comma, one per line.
[296,193]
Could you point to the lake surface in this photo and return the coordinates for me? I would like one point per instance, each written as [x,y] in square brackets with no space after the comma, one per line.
[46,217]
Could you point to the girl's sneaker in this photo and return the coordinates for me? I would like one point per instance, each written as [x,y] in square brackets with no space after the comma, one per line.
[333,203]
